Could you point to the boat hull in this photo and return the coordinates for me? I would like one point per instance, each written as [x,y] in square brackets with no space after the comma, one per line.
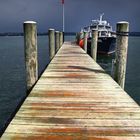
[106,45]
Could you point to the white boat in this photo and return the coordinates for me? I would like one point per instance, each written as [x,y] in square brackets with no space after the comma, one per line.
[106,36]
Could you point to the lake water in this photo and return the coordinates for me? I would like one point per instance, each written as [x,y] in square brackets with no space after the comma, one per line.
[12,71]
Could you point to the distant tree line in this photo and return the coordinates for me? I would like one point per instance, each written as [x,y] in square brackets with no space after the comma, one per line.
[66,33]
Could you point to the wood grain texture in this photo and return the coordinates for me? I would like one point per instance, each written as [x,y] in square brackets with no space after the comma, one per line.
[51,41]
[85,41]
[57,43]
[60,38]
[30,47]
[75,100]
[94,41]
[121,53]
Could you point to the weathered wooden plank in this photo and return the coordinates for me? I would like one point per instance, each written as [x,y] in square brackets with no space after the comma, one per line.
[78,122]
[22,136]
[79,100]
[82,104]
[75,130]
[94,109]
[83,114]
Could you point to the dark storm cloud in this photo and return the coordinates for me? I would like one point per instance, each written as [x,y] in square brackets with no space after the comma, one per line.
[115,10]
[13,13]
[78,13]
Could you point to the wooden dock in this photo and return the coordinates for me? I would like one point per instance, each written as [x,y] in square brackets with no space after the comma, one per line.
[75,100]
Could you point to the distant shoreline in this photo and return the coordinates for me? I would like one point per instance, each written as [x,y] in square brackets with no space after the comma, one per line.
[39,34]
[66,33]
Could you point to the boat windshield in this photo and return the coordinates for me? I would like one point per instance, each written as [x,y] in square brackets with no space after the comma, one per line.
[103,33]
[108,27]
[100,26]
[93,27]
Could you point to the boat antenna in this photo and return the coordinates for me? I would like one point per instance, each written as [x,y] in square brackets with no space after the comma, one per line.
[101,17]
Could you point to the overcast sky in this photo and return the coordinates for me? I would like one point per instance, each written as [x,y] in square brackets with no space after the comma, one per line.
[78,13]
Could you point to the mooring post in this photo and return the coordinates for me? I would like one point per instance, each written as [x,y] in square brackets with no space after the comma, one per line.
[51,43]
[121,52]
[85,41]
[61,38]
[94,40]
[78,37]
[57,43]
[30,45]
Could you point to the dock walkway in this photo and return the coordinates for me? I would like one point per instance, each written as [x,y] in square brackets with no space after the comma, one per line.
[75,100]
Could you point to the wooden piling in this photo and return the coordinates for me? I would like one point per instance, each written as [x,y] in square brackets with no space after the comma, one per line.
[61,38]
[121,52]
[30,45]
[94,40]
[57,43]
[51,43]
[77,37]
[85,41]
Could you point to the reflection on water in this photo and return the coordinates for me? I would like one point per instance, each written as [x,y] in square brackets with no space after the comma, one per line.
[105,61]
